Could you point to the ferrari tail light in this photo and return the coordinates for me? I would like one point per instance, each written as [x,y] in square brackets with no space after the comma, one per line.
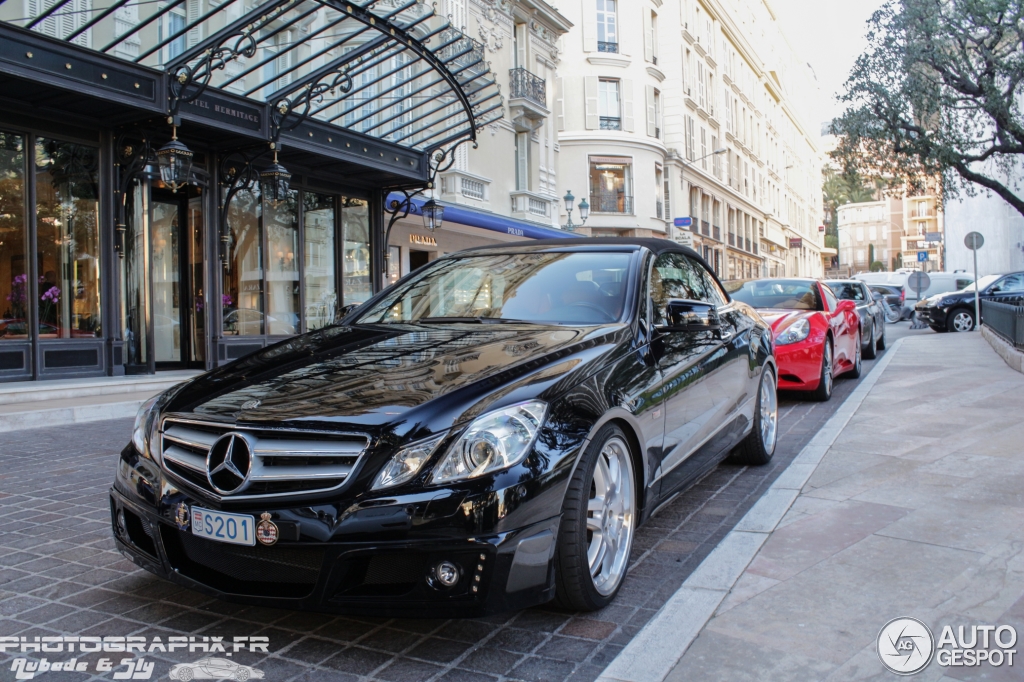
[903,295]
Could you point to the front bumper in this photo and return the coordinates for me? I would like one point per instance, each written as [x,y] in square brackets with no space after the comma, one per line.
[369,557]
[799,365]
[933,316]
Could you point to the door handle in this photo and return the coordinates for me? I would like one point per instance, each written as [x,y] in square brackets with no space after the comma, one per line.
[724,334]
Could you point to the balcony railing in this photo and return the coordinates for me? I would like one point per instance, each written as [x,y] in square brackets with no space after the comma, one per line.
[705,228]
[657,133]
[616,204]
[717,233]
[658,209]
[747,241]
[654,60]
[755,248]
[528,86]
[605,46]
[694,224]
[732,239]
[610,123]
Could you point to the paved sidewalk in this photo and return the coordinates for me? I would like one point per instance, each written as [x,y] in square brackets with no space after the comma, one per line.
[916,510]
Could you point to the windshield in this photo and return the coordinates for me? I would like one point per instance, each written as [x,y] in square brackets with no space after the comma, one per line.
[558,288]
[846,291]
[983,283]
[788,294]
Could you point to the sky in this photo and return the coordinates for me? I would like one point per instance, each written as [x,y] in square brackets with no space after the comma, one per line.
[829,34]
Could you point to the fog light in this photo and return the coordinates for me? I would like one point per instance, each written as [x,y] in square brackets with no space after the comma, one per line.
[447,574]
[122,527]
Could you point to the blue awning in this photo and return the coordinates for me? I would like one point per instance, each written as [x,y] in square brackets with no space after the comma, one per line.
[489,221]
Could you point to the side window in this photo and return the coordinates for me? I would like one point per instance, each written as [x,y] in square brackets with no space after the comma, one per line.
[715,293]
[830,299]
[1011,283]
[675,276]
[962,283]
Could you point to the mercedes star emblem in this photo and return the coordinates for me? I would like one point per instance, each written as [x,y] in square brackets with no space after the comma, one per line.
[251,404]
[229,463]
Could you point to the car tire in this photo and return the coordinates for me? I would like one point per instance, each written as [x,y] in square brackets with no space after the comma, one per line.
[868,351]
[960,320]
[242,674]
[937,328]
[858,362]
[881,341]
[824,390]
[759,445]
[186,674]
[583,537]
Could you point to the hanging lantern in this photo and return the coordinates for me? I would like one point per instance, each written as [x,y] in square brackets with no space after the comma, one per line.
[274,182]
[584,210]
[433,215]
[175,162]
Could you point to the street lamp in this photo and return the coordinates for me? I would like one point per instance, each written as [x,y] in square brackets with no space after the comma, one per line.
[274,183]
[175,162]
[433,215]
[584,207]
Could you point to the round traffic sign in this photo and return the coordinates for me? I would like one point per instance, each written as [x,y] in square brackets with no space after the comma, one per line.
[974,241]
[919,281]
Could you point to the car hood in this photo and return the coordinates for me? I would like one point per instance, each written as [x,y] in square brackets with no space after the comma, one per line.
[411,377]
[779,318]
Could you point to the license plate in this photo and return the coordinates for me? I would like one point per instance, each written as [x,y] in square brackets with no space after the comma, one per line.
[236,529]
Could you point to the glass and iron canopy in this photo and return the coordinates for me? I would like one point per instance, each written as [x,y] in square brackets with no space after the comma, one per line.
[392,70]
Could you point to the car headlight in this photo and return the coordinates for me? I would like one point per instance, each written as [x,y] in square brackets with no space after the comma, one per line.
[946,302]
[494,441]
[797,331]
[145,426]
[406,463]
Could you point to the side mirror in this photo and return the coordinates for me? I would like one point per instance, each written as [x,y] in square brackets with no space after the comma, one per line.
[993,290]
[877,296]
[690,316]
[847,305]
[341,312]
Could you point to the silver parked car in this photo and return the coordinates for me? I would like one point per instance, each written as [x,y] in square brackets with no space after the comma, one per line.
[870,307]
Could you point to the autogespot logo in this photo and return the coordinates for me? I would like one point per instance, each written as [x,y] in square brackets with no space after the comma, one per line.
[905,646]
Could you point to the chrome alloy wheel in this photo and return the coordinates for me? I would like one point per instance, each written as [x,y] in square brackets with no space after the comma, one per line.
[858,361]
[963,322]
[769,414]
[610,510]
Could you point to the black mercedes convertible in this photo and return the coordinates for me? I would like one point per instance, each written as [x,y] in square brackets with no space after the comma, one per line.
[485,435]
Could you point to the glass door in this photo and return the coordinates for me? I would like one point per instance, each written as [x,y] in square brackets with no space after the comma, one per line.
[176,276]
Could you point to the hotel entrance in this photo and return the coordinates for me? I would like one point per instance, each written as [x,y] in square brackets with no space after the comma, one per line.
[177,273]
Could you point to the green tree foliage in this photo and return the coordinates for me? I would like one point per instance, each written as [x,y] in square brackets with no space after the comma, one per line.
[937,92]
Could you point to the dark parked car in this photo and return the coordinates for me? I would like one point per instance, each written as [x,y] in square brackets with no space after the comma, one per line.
[954,311]
[484,435]
[895,296]
[869,307]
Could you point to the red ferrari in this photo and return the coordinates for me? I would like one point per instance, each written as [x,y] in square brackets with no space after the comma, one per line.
[817,336]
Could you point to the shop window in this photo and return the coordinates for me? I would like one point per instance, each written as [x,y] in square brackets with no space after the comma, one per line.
[611,185]
[15,291]
[355,218]
[68,239]
[320,289]
[242,294]
[280,221]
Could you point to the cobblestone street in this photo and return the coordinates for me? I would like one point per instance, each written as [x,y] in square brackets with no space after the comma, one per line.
[60,575]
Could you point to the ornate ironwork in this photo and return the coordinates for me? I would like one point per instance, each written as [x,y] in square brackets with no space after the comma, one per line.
[528,86]
[237,172]
[133,153]
[441,160]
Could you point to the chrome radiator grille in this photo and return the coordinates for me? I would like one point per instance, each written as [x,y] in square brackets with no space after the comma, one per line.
[284,462]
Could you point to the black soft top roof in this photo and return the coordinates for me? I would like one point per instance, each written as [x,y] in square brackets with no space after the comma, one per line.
[657,246]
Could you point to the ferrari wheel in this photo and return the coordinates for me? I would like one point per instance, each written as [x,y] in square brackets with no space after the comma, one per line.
[858,363]
[759,445]
[242,674]
[185,674]
[869,350]
[824,390]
